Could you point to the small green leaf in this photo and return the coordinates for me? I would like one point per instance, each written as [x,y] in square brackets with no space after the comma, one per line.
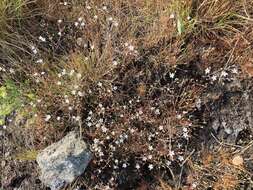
[31,96]
[3,92]
[180,25]
[2,121]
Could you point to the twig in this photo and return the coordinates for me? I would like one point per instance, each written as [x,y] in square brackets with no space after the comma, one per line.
[222,143]
[182,167]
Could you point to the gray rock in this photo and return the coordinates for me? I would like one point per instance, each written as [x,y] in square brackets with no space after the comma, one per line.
[232,115]
[63,161]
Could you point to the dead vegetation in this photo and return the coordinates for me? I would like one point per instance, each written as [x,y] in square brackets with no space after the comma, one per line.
[142,81]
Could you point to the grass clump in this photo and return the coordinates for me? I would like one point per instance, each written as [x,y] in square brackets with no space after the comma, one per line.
[9,100]
[29,155]
[11,10]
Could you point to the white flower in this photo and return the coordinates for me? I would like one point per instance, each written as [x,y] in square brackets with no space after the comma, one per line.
[101,154]
[149,157]
[115,63]
[71,72]
[150,166]
[180,158]
[132,131]
[137,166]
[172,75]
[172,16]
[124,165]
[160,127]
[79,75]
[80,94]
[65,3]
[104,129]
[39,61]
[67,101]
[95,17]
[59,21]
[116,24]
[131,48]
[58,118]
[171,153]
[34,50]
[110,18]
[70,108]
[73,92]
[63,72]
[168,163]
[121,140]
[88,7]
[78,118]
[76,23]
[96,141]
[185,129]
[194,185]
[224,74]
[48,117]
[179,116]
[207,70]
[185,135]
[104,8]
[214,78]
[157,111]
[235,71]
[100,84]
[198,103]
[80,19]
[82,24]
[12,70]
[42,39]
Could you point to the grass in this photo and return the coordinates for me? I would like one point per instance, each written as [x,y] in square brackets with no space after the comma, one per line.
[29,155]
[9,100]
[141,81]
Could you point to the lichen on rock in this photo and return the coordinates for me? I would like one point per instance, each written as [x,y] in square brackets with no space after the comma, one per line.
[63,161]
